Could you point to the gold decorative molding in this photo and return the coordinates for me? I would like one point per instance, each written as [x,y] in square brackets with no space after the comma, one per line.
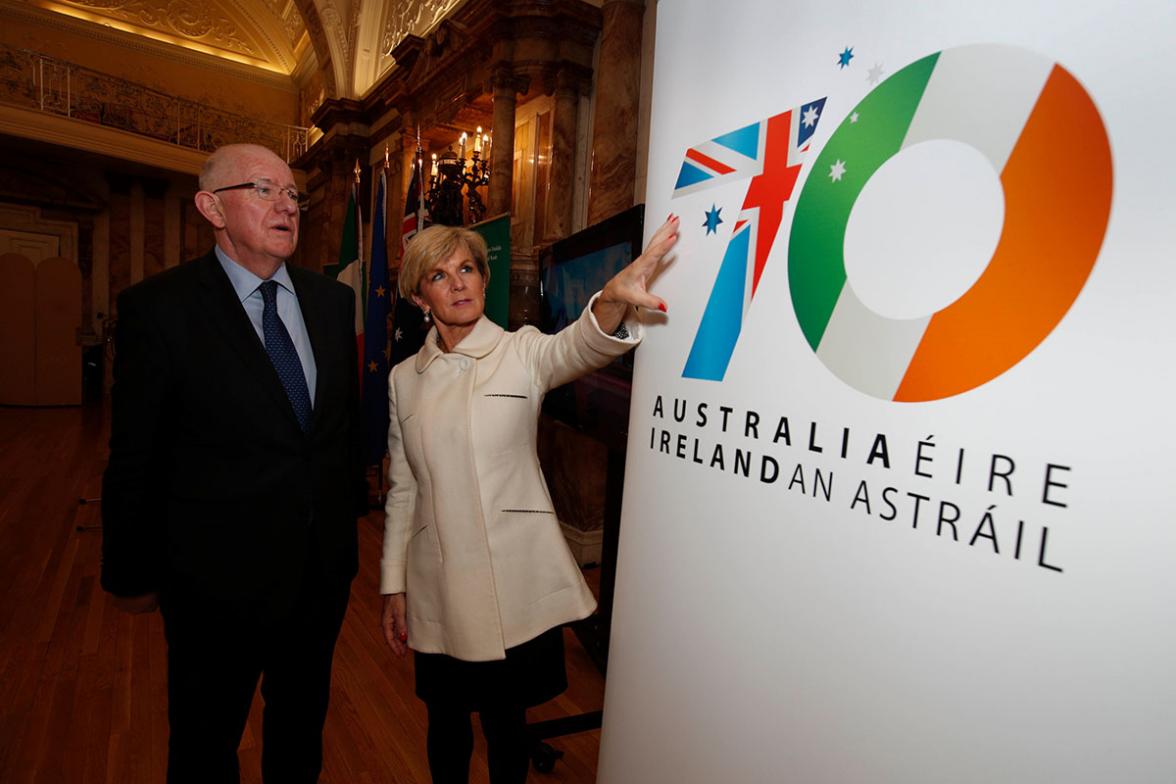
[416,17]
[31,80]
[25,11]
[254,33]
[337,29]
[200,21]
[324,51]
[291,18]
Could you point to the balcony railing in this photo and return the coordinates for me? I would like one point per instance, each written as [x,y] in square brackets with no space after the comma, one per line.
[36,81]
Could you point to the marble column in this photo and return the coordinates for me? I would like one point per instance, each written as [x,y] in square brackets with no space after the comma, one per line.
[85,259]
[339,171]
[100,269]
[618,93]
[505,85]
[172,214]
[563,158]
[330,167]
[138,231]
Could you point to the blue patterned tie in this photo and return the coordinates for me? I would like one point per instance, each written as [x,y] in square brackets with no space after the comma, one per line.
[281,352]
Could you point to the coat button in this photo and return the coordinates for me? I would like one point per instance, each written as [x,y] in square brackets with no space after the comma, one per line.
[465,364]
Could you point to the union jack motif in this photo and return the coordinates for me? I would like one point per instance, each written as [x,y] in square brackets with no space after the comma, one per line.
[415,214]
[770,153]
[732,156]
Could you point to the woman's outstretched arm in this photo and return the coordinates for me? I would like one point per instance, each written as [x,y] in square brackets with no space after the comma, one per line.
[630,286]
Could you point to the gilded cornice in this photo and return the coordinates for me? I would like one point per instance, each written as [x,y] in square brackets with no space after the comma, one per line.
[252,33]
[320,43]
[411,18]
[136,43]
[333,22]
[288,12]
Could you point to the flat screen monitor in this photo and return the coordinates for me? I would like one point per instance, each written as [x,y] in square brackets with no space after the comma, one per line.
[572,270]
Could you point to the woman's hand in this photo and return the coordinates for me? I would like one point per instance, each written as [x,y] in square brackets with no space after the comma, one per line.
[630,286]
[394,623]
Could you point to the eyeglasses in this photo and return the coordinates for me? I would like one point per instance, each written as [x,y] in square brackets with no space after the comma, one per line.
[267,191]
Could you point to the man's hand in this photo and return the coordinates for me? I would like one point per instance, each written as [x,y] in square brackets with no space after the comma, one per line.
[137,605]
[395,623]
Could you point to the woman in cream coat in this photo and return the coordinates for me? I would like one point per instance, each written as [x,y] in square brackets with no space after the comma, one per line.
[476,576]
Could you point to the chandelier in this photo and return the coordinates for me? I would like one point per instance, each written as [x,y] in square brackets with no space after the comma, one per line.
[454,181]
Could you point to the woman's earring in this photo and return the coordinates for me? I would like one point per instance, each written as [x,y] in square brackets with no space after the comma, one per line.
[428,317]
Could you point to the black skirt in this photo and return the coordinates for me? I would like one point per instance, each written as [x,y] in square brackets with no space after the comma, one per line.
[531,673]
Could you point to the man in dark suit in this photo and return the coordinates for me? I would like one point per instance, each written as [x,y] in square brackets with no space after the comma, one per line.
[235,476]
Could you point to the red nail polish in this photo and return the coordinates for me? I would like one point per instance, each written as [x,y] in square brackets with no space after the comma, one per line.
[662,307]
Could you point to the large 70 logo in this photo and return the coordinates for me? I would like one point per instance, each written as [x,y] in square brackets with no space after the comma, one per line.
[1038,128]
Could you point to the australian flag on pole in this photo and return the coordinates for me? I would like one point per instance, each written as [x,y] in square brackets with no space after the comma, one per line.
[375,344]
[408,327]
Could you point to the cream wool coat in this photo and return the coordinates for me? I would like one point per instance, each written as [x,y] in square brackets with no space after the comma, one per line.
[470,533]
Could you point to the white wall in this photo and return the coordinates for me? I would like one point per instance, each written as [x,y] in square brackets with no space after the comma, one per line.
[763,632]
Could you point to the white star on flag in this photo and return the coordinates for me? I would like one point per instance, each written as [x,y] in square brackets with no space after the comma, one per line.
[836,171]
[874,74]
[853,117]
[810,117]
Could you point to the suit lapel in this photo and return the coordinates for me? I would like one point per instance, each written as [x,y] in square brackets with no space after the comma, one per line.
[228,316]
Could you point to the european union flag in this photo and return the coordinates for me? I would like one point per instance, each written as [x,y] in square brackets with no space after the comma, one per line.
[375,344]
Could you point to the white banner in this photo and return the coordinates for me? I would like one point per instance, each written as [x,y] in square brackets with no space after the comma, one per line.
[898,503]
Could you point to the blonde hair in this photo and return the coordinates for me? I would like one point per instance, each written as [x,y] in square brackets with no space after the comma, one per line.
[433,246]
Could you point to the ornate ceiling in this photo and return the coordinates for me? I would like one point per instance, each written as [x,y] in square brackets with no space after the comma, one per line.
[351,38]
[266,34]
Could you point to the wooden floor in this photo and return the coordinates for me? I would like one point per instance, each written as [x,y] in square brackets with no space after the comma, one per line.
[83,687]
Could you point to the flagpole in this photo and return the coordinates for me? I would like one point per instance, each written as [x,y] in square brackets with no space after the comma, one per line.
[420,176]
[376,352]
[420,187]
[363,278]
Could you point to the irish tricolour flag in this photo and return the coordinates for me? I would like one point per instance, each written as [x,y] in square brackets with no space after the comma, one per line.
[350,269]
[1042,134]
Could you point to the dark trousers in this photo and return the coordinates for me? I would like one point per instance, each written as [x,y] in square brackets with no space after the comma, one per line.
[451,743]
[217,651]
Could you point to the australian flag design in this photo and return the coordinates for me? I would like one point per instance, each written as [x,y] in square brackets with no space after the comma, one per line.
[770,154]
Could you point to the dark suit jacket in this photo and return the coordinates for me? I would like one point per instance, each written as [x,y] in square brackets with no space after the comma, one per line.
[212,487]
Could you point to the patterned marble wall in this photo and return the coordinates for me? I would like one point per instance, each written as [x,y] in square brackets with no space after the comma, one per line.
[153,231]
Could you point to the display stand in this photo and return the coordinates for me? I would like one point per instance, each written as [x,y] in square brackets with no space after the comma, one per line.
[593,631]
